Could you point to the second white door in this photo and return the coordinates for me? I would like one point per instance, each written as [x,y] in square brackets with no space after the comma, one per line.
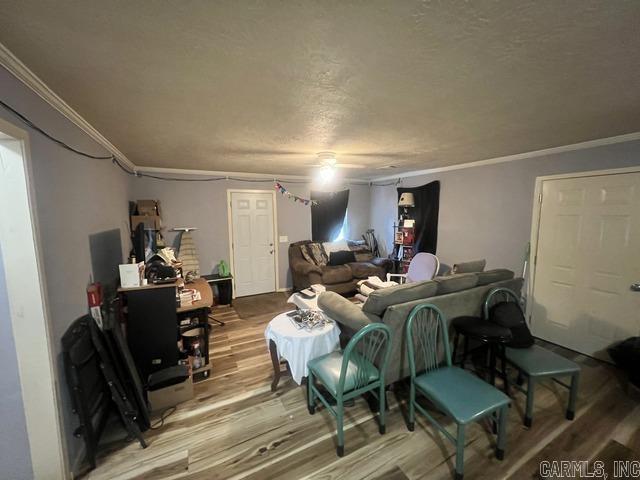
[588,262]
[253,246]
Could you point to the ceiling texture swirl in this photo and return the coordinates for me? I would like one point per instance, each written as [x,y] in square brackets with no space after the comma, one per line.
[391,86]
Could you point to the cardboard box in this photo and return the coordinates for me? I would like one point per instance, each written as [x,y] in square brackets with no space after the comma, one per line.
[170,396]
[147,207]
[151,222]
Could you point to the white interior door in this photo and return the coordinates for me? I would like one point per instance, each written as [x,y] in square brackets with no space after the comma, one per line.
[588,257]
[252,219]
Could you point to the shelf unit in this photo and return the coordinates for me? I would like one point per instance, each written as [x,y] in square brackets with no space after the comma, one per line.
[403,251]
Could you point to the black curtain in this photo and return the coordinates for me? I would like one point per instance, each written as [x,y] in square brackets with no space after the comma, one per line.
[328,216]
[425,213]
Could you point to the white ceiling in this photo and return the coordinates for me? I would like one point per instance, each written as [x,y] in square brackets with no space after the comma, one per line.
[261,86]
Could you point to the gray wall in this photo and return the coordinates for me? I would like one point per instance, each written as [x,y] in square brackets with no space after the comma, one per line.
[75,197]
[204,205]
[485,212]
[15,457]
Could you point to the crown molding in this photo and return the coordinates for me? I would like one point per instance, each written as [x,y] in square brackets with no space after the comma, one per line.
[519,156]
[19,70]
[266,177]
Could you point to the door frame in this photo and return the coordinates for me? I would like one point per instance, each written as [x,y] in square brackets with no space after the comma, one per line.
[276,245]
[535,222]
[38,374]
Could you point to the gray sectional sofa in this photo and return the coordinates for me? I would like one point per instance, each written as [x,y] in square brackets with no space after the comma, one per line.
[455,295]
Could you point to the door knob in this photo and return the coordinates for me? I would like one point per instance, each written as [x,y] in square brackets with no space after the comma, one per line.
[635,287]
[271,252]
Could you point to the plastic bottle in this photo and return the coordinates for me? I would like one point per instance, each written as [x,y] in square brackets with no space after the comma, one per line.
[197,357]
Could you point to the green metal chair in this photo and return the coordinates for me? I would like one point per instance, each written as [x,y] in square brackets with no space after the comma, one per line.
[536,362]
[457,392]
[350,373]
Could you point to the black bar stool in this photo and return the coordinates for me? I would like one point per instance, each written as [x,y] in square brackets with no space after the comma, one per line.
[493,336]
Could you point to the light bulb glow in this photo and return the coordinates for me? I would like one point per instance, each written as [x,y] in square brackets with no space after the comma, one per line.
[326,174]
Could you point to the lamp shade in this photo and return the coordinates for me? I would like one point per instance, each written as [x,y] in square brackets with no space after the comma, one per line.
[407,200]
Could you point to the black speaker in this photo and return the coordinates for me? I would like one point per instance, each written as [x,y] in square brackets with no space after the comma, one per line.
[152,329]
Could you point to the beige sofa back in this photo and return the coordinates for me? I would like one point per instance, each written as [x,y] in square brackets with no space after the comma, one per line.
[463,303]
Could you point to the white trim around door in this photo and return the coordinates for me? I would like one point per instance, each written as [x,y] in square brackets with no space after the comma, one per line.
[535,223]
[276,265]
[26,289]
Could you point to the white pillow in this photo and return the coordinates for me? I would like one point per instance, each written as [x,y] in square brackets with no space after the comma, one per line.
[337,246]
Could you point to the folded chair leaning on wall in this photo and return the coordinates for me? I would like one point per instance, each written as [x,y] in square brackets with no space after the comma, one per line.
[536,362]
[456,392]
[423,266]
[359,368]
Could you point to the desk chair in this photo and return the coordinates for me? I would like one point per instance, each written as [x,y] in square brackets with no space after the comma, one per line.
[352,372]
[536,362]
[456,392]
[423,266]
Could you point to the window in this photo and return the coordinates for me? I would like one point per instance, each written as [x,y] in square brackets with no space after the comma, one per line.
[343,231]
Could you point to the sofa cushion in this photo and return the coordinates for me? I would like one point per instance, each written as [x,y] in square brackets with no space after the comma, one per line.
[364,269]
[469,267]
[314,253]
[363,256]
[337,274]
[455,283]
[492,276]
[379,300]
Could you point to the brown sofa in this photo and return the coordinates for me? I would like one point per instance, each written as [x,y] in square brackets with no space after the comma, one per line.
[340,279]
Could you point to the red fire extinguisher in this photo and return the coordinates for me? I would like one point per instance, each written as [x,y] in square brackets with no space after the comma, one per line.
[94,297]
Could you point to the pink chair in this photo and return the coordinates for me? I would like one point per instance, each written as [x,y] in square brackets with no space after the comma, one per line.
[423,266]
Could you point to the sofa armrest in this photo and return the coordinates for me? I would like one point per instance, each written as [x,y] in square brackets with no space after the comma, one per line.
[303,267]
[344,312]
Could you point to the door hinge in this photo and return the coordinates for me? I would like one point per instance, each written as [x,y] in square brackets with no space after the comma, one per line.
[535,259]
[539,198]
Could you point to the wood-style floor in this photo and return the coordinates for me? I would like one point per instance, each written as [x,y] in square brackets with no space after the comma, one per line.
[236,428]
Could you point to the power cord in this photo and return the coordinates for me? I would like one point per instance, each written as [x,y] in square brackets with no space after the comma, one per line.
[24,119]
[163,416]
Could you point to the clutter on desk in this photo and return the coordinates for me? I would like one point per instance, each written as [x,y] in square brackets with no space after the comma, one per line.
[188,295]
[188,254]
[146,213]
[131,274]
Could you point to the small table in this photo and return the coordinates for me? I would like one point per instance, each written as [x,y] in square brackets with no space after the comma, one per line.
[298,346]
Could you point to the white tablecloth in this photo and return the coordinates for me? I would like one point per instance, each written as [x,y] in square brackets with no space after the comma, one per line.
[303,302]
[300,346]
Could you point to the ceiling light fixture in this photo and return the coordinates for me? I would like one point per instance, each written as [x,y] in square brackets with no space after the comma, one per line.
[327,171]
[326,174]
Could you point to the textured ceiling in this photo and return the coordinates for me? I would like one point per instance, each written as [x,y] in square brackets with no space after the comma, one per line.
[262,86]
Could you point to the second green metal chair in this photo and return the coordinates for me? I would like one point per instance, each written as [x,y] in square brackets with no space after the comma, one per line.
[456,392]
